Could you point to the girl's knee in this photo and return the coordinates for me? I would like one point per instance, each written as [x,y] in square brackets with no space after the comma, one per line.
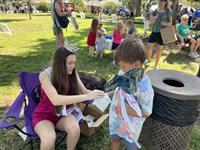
[74,129]
[49,139]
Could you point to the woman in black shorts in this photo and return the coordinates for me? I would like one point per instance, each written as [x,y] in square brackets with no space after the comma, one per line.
[160,18]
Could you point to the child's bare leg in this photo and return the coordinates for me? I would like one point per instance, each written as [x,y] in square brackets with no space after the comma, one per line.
[92,51]
[116,144]
[97,53]
[101,55]
[89,52]
[113,62]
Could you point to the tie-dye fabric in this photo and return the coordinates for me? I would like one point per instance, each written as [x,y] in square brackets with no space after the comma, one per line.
[127,82]
[124,125]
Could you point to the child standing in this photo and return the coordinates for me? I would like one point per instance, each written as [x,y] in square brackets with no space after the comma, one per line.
[100,44]
[133,95]
[117,35]
[101,28]
[131,28]
[92,36]
[146,15]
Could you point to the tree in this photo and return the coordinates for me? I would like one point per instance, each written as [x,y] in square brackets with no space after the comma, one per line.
[192,1]
[110,5]
[127,3]
[136,7]
[175,4]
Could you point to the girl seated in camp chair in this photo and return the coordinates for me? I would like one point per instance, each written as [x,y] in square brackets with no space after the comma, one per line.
[60,85]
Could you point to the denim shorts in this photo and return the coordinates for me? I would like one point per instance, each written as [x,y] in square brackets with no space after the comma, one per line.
[129,146]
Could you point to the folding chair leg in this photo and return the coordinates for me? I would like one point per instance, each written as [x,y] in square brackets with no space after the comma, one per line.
[60,140]
[31,142]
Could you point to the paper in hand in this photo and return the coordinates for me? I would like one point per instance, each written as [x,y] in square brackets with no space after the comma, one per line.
[102,103]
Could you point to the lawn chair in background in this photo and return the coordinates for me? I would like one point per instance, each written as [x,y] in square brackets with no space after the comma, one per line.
[5,29]
[30,97]
[114,18]
[82,15]
[36,12]
[104,18]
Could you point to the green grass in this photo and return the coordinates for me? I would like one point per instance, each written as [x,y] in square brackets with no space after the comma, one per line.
[30,48]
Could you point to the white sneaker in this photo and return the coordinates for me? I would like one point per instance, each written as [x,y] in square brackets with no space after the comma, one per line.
[196,54]
[192,55]
[155,68]
[113,62]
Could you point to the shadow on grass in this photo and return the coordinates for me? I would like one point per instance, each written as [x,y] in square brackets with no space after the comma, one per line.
[179,58]
[42,14]
[11,20]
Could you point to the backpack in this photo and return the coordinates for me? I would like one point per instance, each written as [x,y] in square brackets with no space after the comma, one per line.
[63,20]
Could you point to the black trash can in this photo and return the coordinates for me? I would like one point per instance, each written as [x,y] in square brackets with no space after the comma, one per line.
[175,110]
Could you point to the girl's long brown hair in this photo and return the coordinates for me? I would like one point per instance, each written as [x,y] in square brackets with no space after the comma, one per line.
[167,5]
[60,78]
[94,25]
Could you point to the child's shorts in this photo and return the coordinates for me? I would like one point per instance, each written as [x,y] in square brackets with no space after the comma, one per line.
[129,146]
[114,46]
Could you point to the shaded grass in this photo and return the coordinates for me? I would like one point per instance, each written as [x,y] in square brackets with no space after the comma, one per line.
[31,47]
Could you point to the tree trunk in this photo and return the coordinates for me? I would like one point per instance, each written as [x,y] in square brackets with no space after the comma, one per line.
[175,4]
[138,8]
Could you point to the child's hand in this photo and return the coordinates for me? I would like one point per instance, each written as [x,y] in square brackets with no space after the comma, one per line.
[117,109]
[138,94]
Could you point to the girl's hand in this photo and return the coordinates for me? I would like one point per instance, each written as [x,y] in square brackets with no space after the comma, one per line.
[95,94]
[154,17]
[164,24]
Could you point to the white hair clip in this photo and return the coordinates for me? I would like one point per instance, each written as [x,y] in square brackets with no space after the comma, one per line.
[70,47]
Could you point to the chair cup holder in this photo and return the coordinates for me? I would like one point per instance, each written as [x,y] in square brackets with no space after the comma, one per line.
[10,119]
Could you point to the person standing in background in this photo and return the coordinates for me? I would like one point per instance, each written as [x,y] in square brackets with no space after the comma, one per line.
[58,8]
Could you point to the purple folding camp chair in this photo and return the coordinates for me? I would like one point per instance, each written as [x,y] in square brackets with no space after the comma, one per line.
[30,85]
[30,97]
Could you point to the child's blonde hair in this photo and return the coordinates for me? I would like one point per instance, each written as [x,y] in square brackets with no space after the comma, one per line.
[184,17]
[120,25]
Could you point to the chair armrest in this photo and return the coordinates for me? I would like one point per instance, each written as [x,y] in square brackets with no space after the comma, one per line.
[12,115]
